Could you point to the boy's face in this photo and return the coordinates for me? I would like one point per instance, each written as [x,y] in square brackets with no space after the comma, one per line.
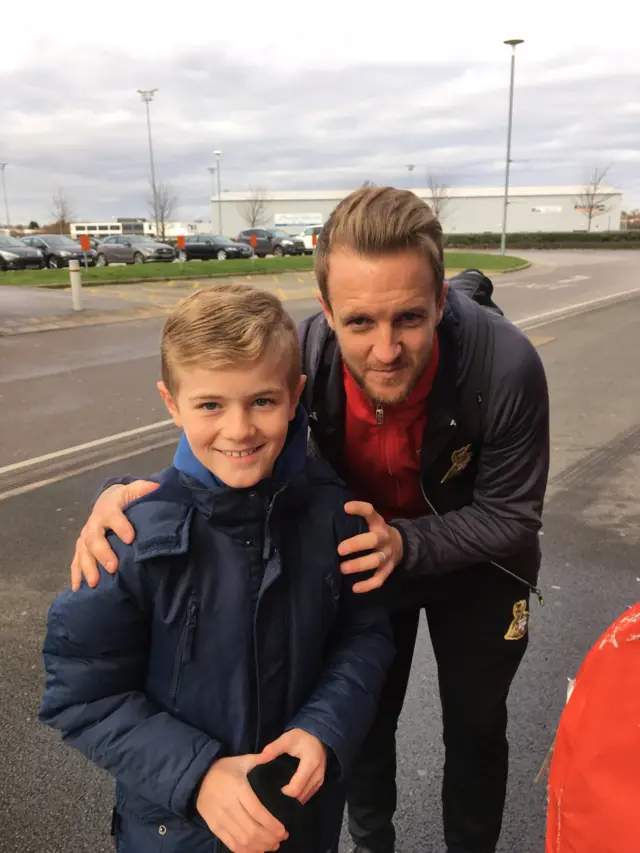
[236,419]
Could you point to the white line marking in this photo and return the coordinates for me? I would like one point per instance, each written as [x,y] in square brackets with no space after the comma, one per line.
[49,481]
[559,313]
[19,466]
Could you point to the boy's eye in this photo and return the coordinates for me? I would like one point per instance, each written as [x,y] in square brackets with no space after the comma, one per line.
[209,406]
[261,402]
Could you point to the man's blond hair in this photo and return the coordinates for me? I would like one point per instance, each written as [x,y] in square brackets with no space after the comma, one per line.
[380,221]
[229,325]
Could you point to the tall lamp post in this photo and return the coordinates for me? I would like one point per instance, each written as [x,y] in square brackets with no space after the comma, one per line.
[3,166]
[212,172]
[218,155]
[513,43]
[147,97]
[410,167]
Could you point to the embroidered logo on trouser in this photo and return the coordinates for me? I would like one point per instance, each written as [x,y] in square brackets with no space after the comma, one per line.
[518,627]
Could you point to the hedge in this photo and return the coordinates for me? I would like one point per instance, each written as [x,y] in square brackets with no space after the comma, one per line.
[548,240]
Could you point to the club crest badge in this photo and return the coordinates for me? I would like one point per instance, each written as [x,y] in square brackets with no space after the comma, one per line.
[520,623]
[459,460]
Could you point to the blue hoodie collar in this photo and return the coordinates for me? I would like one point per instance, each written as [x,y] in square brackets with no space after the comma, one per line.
[289,464]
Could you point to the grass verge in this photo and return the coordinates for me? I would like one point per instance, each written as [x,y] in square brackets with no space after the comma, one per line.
[224,269]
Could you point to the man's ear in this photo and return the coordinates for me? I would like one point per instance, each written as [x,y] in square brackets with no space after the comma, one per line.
[441,301]
[295,397]
[326,308]
[170,403]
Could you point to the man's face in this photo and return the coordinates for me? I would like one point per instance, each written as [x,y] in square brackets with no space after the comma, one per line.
[384,312]
[236,420]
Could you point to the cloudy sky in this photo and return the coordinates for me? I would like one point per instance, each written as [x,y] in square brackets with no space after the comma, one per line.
[304,95]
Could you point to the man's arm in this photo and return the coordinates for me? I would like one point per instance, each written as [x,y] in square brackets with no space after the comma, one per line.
[96,652]
[505,514]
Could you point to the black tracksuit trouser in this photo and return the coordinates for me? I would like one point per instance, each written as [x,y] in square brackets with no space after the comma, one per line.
[467,620]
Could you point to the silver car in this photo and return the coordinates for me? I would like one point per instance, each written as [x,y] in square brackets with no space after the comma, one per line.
[132,249]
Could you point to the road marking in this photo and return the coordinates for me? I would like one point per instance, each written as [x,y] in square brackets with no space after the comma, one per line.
[538,341]
[57,454]
[576,308]
[100,463]
[573,278]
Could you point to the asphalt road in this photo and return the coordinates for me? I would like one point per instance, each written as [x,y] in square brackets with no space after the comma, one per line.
[64,388]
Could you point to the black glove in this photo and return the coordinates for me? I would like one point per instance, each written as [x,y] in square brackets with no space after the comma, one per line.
[267,780]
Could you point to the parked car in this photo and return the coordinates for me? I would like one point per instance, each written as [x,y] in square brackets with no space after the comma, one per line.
[307,237]
[14,255]
[272,241]
[132,249]
[208,246]
[58,249]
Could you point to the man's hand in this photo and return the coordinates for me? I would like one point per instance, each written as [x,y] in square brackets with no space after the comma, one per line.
[384,540]
[233,812]
[108,514]
[308,778]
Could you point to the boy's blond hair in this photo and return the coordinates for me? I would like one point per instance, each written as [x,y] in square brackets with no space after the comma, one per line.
[229,325]
[377,221]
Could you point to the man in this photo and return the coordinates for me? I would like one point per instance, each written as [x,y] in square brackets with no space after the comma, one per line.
[434,410]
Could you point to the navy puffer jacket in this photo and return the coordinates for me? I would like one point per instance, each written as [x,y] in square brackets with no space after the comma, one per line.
[227,623]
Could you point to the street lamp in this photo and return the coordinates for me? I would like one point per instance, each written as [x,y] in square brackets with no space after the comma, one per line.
[147,97]
[212,172]
[218,155]
[513,43]
[3,166]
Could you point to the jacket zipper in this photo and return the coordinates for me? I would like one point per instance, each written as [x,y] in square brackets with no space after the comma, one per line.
[530,586]
[265,559]
[379,414]
[185,647]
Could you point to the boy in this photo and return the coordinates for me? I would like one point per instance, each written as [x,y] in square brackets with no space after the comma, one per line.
[227,638]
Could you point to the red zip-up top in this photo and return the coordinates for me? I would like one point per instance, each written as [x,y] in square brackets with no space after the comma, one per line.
[382,447]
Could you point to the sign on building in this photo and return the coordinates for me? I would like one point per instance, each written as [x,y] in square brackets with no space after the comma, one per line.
[297,220]
[551,208]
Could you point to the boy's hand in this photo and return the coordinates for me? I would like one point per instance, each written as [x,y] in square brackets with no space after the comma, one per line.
[385,541]
[232,811]
[309,776]
[108,514]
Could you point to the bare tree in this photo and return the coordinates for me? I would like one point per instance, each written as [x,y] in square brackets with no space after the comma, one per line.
[254,209]
[440,195]
[592,201]
[62,211]
[368,183]
[163,203]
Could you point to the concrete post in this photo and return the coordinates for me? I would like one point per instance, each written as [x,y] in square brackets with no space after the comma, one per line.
[76,285]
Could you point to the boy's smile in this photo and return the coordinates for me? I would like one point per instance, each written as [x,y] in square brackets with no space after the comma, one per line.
[235,419]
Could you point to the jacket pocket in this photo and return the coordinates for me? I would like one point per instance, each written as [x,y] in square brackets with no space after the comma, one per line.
[184,651]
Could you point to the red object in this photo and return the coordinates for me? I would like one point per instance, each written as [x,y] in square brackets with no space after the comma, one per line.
[383,459]
[181,242]
[253,241]
[594,781]
[314,240]
[85,242]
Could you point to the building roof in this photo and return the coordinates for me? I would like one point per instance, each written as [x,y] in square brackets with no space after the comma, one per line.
[453,192]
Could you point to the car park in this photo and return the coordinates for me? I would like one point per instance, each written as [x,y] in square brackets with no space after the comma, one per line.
[14,255]
[132,249]
[307,237]
[58,250]
[206,247]
[271,241]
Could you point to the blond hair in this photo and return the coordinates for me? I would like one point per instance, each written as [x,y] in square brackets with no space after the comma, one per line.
[378,221]
[225,326]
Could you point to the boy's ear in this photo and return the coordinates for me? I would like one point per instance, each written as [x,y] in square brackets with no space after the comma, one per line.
[295,397]
[170,403]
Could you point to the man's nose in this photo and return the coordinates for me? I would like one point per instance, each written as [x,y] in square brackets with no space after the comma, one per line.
[387,346]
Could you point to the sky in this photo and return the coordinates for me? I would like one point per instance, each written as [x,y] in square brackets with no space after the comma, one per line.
[310,96]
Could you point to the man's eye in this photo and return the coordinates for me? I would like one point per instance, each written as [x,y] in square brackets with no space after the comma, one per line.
[209,406]
[359,322]
[411,317]
[261,402]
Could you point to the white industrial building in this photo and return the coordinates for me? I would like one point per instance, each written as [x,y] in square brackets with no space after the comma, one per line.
[467,210]
[138,226]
